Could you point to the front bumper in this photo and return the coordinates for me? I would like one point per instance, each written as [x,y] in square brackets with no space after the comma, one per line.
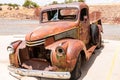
[39,73]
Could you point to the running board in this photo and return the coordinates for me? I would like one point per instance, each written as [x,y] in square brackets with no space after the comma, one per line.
[90,51]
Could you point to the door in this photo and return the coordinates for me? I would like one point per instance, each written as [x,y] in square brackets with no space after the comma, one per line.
[84,26]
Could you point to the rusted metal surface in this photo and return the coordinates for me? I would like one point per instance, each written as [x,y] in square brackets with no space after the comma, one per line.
[67,61]
[90,52]
[57,43]
[35,64]
[53,28]
[50,29]
[16,54]
[75,4]
[15,44]
[99,22]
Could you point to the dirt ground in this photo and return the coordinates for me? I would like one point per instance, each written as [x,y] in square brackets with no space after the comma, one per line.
[109,13]
[21,13]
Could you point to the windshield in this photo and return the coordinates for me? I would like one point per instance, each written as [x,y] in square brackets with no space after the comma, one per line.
[59,14]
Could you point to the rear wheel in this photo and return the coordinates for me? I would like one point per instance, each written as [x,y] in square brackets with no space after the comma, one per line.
[99,43]
[76,73]
[94,34]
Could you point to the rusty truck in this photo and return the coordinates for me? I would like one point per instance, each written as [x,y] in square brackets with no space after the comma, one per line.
[58,46]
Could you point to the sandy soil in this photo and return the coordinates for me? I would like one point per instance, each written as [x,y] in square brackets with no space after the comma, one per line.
[22,13]
[109,13]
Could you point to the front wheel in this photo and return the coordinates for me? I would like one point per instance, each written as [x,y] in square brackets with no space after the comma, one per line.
[76,73]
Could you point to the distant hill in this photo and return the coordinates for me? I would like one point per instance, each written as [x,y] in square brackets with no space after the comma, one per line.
[108,13]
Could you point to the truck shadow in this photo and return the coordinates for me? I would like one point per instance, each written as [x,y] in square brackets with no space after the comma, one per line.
[86,65]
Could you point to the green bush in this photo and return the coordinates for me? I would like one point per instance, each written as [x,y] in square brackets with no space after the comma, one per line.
[29,4]
[54,2]
[13,5]
[70,1]
[34,4]
[1,4]
[9,4]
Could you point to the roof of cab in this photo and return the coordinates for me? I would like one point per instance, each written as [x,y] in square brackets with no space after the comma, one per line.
[74,4]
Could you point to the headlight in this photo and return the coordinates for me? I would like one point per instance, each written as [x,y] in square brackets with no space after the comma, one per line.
[10,49]
[60,51]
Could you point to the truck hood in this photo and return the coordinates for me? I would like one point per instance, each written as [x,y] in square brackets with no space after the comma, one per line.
[49,29]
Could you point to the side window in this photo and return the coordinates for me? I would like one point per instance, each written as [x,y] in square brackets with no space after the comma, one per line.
[48,15]
[84,14]
[44,17]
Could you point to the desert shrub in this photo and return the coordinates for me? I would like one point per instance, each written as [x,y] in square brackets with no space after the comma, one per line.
[12,6]
[30,4]
[34,4]
[54,2]
[1,4]
[70,1]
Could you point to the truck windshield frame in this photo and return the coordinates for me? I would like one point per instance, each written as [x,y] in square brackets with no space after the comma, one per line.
[59,14]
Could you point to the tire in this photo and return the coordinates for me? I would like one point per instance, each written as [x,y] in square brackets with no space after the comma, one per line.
[99,43]
[76,73]
[94,34]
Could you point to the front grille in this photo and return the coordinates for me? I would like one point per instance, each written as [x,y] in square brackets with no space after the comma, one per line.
[35,43]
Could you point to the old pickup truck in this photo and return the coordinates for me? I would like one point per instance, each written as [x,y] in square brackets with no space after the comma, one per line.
[64,38]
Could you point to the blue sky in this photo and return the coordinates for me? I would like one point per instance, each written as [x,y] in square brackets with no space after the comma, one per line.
[44,2]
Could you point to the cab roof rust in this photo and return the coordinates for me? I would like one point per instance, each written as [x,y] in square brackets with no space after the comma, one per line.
[75,4]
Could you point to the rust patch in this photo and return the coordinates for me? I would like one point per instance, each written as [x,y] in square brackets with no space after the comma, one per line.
[35,64]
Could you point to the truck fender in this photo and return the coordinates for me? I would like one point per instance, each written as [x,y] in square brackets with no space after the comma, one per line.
[16,46]
[64,53]
[99,24]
